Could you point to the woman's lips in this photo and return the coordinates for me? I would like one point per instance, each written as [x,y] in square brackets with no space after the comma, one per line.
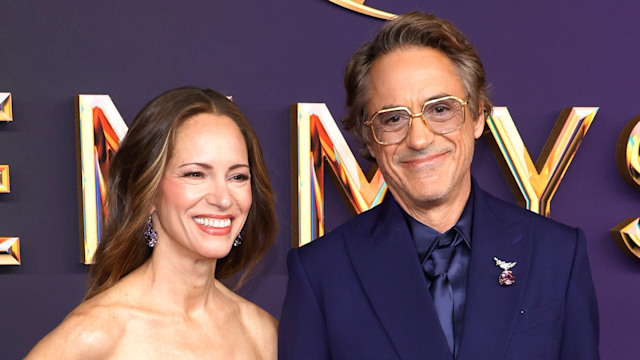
[214,225]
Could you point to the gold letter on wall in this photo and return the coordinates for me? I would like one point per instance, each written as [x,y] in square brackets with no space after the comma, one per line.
[316,139]
[9,246]
[6,108]
[5,186]
[6,115]
[9,251]
[99,129]
[534,185]
[360,7]
[627,234]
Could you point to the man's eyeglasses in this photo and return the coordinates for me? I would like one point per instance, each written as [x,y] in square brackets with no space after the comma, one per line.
[443,115]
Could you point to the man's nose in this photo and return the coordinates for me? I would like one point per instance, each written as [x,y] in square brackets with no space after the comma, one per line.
[419,135]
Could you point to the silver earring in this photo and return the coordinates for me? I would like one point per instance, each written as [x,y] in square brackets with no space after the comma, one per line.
[150,235]
[238,240]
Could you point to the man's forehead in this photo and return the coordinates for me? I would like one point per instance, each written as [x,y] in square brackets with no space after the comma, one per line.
[411,76]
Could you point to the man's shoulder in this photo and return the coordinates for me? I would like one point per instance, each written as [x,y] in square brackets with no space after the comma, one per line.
[360,225]
[511,213]
[363,222]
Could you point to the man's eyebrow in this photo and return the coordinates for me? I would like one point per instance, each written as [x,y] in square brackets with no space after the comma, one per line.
[437,96]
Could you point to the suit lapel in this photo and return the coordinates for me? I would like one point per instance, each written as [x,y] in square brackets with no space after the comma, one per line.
[387,265]
[492,309]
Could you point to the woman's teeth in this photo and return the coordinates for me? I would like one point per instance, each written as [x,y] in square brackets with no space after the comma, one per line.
[216,223]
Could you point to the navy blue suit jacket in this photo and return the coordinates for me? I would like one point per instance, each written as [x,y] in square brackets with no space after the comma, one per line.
[360,293]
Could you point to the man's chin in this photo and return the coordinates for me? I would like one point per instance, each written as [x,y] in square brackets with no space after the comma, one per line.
[424,199]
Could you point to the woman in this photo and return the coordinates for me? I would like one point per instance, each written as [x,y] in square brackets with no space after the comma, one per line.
[189,197]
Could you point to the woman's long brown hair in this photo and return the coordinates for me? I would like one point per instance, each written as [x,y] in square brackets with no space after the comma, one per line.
[134,175]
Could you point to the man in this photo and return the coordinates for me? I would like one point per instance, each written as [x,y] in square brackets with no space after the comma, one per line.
[441,269]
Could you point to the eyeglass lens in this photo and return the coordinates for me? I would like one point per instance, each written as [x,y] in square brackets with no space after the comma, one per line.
[443,116]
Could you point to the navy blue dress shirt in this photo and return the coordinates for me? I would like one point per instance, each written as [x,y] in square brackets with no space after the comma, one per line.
[426,240]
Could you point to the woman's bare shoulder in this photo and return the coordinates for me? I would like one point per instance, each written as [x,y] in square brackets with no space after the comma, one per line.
[90,331]
[250,313]
[257,317]
[262,327]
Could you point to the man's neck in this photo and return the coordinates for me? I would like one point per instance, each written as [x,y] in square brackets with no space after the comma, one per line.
[440,214]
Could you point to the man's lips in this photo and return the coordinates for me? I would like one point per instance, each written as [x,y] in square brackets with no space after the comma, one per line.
[415,161]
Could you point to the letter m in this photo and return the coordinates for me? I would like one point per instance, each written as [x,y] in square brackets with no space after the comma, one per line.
[316,140]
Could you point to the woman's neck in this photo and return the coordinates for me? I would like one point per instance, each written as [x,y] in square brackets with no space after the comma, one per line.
[180,282]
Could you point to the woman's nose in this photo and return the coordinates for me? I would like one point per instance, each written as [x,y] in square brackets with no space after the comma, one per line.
[218,195]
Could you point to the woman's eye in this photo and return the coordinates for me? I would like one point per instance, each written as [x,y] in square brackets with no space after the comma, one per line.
[240,177]
[194,174]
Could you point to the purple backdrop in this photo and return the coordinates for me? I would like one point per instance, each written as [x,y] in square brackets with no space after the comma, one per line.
[540,57]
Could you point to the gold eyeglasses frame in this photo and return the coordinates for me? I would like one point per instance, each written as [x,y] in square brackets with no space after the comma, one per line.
[369,122]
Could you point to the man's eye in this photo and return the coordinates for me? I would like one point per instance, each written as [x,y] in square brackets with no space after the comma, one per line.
[392,119]
[440,109]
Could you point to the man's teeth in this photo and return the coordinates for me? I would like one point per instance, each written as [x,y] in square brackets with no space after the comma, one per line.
[217,223]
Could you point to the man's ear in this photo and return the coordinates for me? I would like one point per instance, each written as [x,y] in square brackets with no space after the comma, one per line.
[478,123]
[370,148]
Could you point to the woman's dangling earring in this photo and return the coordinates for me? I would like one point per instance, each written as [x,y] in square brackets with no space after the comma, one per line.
[238,240]
[150,235]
